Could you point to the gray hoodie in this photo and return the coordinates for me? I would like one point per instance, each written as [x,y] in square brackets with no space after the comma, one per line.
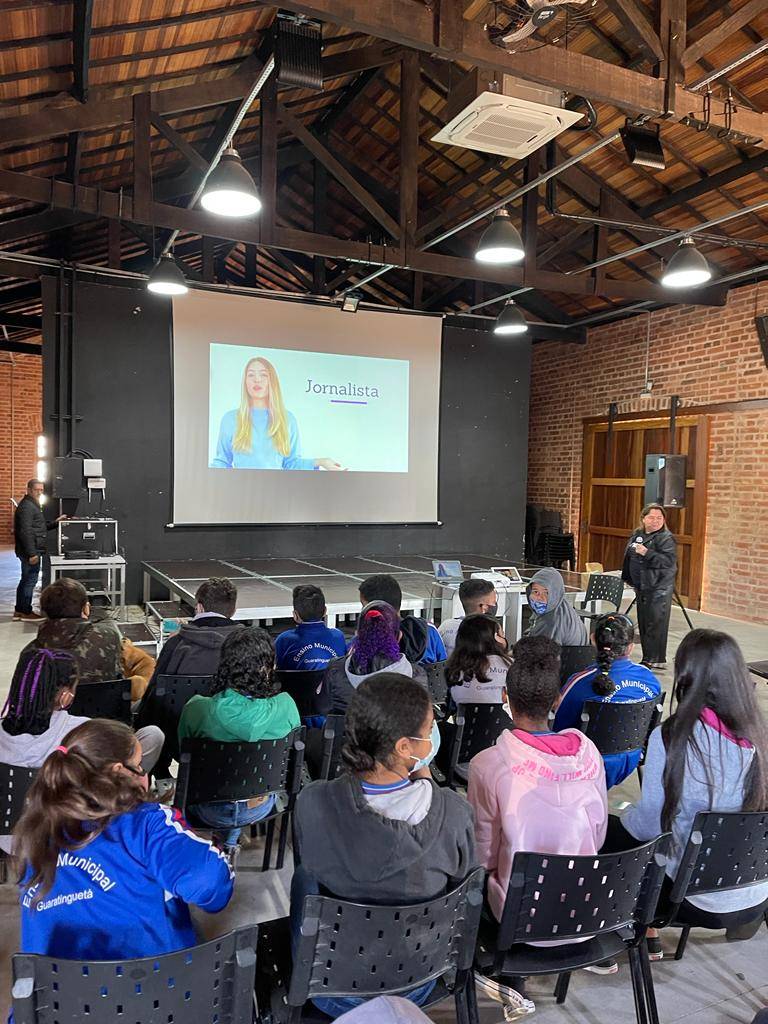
[560,621]
[341,681]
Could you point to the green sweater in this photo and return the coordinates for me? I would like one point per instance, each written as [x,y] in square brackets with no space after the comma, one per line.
[230,717]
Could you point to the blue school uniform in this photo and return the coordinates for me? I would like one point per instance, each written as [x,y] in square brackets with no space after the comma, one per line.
[310,646]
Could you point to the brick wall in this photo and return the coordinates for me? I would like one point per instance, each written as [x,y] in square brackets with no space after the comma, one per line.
[20,423]
[705,355]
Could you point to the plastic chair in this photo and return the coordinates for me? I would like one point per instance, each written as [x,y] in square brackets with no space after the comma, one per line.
[208,984]
[163,703]
[333,741]
[725,851]
[14,786]
[307,690]
[604,589]
[575,658]
[213,771]
[436,682]
[617,728]
[355,949]
[607,901]
[556,548]
[477,727]
[111,699]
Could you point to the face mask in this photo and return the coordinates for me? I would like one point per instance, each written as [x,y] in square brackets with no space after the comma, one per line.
[491,610]
[434,742]
[538,606]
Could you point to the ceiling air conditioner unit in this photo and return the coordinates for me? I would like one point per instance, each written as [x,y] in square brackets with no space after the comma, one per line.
[514,120]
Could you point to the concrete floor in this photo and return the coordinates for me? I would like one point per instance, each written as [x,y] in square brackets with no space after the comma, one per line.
[716,982]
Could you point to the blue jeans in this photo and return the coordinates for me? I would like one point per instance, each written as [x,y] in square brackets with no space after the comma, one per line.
[304,884]
[28,581]
[228,818]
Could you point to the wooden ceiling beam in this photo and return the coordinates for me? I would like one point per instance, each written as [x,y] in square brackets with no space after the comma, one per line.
[634,20]
[82,27]
[696,189]
[718,35]
[23,323]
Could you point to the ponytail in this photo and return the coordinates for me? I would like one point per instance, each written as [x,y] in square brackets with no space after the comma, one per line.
[39,676]
[612,635]
[381,711]
[75,796]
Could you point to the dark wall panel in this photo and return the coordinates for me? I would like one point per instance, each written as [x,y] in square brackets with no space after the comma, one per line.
[123,398]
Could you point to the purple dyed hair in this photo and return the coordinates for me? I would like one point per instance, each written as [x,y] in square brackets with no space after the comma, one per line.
[378,630]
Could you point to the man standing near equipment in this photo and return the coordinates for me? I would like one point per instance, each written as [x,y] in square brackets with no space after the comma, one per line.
[30,529]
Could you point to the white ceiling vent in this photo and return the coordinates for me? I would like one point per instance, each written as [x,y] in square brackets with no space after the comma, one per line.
[512,123]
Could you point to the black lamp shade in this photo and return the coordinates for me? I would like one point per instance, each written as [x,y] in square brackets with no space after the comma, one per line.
[510,321]
[230,191]
[166,278]
[500,242]
[687,268]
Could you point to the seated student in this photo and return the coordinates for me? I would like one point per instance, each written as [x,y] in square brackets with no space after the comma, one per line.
[95,647]
[105,874]
[551,614]
[478,597]
[35,718]
[312,644]
[245,706]
[614,679]
[420,641]
[710,755]
[382,832]
[374,649]
[477,670]
[535,790]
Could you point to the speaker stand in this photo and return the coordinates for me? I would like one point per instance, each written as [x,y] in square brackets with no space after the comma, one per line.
[683,609]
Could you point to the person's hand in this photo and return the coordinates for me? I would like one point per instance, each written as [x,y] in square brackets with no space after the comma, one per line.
[59,519]
[640,549]
[329,464]
[34,559]
[501,640]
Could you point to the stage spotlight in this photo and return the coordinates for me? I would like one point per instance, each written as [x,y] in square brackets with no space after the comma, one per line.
[500,242]
[510,320]
[230,191]
[687,268]
[643,146]
[166,278]
[350,302]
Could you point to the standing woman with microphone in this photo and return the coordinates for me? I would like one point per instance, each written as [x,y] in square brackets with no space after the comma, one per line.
[650,566]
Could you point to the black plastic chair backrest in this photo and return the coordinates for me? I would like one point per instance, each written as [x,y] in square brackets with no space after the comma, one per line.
[307,689]
[354,949]
[575,658]
[172,692]
[110,699]
[732,852]
[436,682]
[212,982]
[210,770]
[14,786]
[482,726]
[617,728]
[605,588]
[333,741]
[554,896]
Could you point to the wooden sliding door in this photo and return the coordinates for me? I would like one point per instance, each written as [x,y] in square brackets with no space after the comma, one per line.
[612,493]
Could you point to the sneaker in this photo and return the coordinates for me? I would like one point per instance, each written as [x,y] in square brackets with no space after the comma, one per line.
[514,1004]
[27,617]
[655,952]
[604,967]
[165,789]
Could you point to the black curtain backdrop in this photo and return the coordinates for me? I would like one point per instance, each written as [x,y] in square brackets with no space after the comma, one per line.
[115,375]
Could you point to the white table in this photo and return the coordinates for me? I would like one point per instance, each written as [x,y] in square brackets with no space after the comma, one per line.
[113,567]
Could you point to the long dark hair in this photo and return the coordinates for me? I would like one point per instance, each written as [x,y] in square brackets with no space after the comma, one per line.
[710,673]
[247,663]
[378,629]
[381,711]
[475,643]
[612,634]
[39,676]
[74,797]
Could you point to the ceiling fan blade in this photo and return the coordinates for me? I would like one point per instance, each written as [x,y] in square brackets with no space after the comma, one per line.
[518,34]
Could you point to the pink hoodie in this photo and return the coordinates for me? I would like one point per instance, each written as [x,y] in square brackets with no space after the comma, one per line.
[538,793]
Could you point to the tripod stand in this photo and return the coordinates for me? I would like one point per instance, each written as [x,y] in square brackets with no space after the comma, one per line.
[683,609]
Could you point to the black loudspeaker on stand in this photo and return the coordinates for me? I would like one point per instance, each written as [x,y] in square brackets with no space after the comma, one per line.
[665,480]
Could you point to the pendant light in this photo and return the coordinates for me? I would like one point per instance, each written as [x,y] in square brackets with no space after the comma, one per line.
[166,277]
[230,191]
[510,320]
[687,268]
[500,242]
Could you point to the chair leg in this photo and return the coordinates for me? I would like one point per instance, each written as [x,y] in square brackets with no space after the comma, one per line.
[285,821]
[640,774]
[638,988]
[683,942]
[561,988]
[462,1002]
[650,991]
[268,845]
[470,995]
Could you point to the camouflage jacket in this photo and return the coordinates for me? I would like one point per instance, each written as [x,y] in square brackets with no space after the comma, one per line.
[95,646]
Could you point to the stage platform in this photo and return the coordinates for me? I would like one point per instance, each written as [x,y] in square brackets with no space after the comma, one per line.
[265,585]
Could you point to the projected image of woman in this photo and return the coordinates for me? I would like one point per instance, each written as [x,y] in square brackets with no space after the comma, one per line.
[262,433]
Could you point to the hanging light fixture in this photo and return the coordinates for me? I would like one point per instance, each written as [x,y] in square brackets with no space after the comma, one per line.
[510,320]
[166,277]
[230,191]
[501,241]
[687,268]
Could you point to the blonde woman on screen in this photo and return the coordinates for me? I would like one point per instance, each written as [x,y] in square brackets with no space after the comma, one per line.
[262,433]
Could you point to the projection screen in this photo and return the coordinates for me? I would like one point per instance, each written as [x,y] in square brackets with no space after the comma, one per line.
[289,412]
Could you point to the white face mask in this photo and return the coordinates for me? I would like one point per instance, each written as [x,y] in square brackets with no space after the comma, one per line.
[434,746]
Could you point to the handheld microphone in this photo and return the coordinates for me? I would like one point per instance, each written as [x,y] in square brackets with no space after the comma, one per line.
[638,540]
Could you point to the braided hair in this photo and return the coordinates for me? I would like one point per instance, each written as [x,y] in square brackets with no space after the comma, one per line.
[612,635]
[39,676]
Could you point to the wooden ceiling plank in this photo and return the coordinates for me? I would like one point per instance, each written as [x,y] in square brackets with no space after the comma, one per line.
[82,27]
[193,158]
[718,35]
[637,24]
[700,188]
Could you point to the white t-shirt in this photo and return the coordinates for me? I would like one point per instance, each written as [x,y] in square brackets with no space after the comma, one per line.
[448,631]
[472,691]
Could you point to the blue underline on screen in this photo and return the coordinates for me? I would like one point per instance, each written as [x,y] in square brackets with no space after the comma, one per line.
[346,401]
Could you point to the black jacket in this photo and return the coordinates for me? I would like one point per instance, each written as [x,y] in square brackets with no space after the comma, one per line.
[30,528]
[658,566]
[341,679]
